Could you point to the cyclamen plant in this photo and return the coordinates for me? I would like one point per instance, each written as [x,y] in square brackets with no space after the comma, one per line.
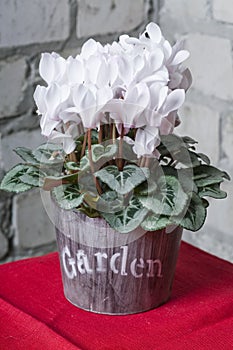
[109,116]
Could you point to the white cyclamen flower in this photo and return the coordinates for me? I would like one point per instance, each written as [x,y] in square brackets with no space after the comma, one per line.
[135,83]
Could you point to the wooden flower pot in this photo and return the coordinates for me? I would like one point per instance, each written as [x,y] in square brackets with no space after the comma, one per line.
[108,272]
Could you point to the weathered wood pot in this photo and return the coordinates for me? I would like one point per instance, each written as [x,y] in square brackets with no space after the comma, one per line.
[113,273]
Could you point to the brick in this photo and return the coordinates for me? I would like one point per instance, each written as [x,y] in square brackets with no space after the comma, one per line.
[32,226]
[201,123]
[30,139]
[26,22]
[98,17]
[180,10]
[223,10]
[227,137]
[12,80]
[211,65]
[4,245]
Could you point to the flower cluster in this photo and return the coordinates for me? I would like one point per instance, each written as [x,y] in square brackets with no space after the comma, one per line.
[133,83]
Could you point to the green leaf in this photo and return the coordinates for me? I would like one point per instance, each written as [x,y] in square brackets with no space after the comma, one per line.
[189,140]
[33,176]
[205,175]
[195,216]
[12,181]
[71,166]
[168,199]
[84,163]
[87,183]
[154,222]
[68,196]
[170,144]
[49,153]
[110,202]
[122,181]
[26,154]
[213,191]
[204,158]
[127,219]
[103,152]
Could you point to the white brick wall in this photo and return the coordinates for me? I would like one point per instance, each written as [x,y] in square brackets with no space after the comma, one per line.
[25,22]
[104,17]
[223,10]
[211,65]
[27,28]
[207,115]
[181,9]
[197,121]
[12,80]
[30,139]
[32,226]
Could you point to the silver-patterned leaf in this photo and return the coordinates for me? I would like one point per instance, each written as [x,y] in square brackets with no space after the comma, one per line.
[127,219]
[123,181]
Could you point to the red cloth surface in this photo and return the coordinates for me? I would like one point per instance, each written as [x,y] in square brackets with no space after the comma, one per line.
[34,314]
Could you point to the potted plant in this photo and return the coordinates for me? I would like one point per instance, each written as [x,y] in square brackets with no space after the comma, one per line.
[122,183]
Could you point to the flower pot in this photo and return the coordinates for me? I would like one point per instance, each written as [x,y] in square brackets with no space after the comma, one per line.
[108,272]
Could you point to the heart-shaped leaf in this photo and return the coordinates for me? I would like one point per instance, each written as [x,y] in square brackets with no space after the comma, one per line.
[123,181]
[195,215]
[168,199]
[213,191]
[205,175]
[26,154]
[68,196]
[155,222]
[49,153]
[103,152]
[127,219]
[12,181]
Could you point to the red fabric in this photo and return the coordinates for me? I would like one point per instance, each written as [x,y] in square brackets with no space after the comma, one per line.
[34,314]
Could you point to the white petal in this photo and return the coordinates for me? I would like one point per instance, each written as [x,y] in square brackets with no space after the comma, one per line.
[162,96]
[103,74]
[103,96]
[39,97]
[75,71]
[78,94]
[52,98]
[47,125]
[47,67]
[93,65]
[155,60]
[70,115]
[167,49]
[89,48]
[154,32]
[180,57]
[174,101]
[60,68]
[113,70]
[64,92]
[125,70]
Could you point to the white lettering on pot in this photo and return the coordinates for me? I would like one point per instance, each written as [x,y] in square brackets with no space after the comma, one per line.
[100,257]
[138,267]
[151,269]
[82,262]
[134,265]
[69,273]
